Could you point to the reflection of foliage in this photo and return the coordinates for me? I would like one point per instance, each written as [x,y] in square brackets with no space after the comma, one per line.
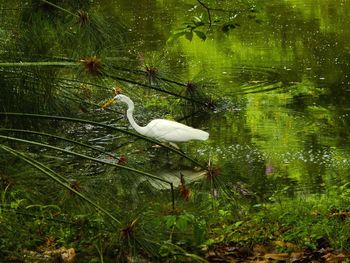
[190,28]
[226,19]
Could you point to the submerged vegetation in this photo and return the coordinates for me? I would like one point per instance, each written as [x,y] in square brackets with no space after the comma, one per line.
[76,184]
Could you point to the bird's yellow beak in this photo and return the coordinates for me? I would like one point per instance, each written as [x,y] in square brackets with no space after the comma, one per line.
[107,103]
[117,90]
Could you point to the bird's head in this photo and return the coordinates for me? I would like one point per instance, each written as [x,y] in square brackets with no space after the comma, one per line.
[120,97]
[123,98]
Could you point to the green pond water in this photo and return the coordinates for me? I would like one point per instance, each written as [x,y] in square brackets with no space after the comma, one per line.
[279,81]
[281,84]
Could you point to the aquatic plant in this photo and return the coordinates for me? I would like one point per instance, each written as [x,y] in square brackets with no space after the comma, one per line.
[62,61]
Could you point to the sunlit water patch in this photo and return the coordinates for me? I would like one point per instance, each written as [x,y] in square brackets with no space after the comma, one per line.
[327,163]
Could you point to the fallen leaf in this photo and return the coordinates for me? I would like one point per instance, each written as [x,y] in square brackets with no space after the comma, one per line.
[335,258]
[296,256]
[284,244]
[68,255]
[259,250]
[278,256]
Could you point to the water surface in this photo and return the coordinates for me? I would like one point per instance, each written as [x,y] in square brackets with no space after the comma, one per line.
[281,84]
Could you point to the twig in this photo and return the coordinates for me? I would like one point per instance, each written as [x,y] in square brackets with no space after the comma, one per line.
[208,11]
[60,8]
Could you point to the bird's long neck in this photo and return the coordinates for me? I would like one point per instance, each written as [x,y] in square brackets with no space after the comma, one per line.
[129,115]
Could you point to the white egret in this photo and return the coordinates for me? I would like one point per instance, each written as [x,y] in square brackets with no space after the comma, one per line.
[163,130]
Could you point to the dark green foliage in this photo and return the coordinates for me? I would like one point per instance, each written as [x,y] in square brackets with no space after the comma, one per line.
[223,16]
[189,29]
[228,26]
[87,182]
[55,44]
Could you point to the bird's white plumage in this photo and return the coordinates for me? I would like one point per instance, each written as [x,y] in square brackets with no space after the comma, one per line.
[163,130]
[171,131]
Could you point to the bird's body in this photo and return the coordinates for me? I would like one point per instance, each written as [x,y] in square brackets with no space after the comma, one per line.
[163,130]
[172,131]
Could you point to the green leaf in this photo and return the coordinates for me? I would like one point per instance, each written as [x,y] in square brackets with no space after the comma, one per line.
[182,222]
[238,223]
[176,36]
[196,19]
[225,28]
[170,221]
[201,35]
[199,233]
[228,26]
[189,35]
[224,213]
